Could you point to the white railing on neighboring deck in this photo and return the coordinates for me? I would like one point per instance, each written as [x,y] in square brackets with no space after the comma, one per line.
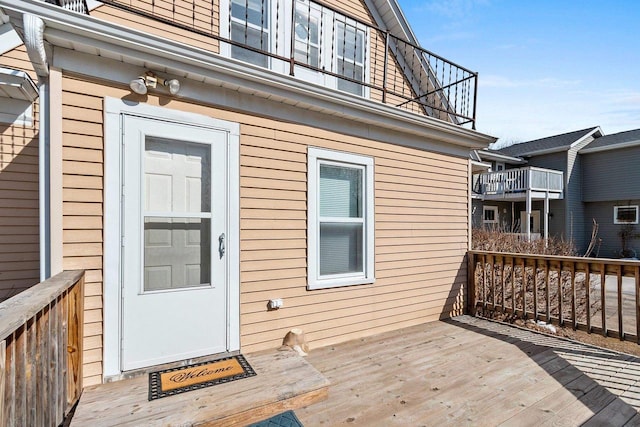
[520,180]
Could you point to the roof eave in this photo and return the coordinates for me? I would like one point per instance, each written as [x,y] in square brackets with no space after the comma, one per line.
[502,157]
[616,146]
[94,32]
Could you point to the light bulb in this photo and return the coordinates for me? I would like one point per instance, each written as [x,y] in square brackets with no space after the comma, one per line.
[173,85]
[138,85]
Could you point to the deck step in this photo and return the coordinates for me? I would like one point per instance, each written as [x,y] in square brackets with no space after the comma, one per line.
[284,381]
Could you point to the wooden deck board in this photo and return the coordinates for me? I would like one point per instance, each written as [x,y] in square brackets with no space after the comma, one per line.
[284,381]
[468,371]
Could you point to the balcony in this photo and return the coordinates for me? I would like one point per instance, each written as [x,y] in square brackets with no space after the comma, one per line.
[311,41]
[515,184]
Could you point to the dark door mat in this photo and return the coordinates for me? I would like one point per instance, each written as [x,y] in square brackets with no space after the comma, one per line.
[170,382]
[286,419]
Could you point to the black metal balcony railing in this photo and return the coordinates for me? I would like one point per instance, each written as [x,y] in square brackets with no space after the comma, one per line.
[313,41]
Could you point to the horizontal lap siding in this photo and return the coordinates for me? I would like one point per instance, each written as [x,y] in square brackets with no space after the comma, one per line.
[421,239]
[421,227]
[205,22]
[19,229]
[82,209]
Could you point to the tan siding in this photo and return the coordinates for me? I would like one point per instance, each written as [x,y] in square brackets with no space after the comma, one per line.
[420,244]
[19,230]
[421,229]
[204,21]
[82,177]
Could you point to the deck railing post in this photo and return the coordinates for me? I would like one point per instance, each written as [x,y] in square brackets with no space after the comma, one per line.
[3,355]
[636,274]
[74,343]
[587,284]
[620,324]
[471,283]
[603,298]
[547,291]
[535,289]
[574,319]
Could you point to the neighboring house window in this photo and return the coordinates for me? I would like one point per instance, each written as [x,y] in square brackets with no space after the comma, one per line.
[625,214]
[340,219]
[249,22]
[489,214]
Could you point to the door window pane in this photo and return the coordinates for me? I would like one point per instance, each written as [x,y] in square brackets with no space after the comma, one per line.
[177,176]
[177,249]
[177,253]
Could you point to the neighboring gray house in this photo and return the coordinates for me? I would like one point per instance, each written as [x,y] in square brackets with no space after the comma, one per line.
[563,182]
[611,190]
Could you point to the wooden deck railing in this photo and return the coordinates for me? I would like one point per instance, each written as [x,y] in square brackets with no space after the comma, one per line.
[41,352]
[592,294]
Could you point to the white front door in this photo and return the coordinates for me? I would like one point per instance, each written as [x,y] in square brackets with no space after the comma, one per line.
[174,287]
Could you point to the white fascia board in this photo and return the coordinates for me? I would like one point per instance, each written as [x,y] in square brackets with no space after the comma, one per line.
[593,131]
[564,148]
[201,64]
[23,87]
[486,154]
[626,144]
[9,39]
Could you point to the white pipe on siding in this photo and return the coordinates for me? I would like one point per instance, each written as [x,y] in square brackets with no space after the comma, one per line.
[34,43]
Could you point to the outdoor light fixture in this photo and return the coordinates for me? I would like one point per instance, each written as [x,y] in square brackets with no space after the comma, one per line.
[140,84]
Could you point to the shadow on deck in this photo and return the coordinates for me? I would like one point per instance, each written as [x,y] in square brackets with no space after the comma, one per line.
[469,371]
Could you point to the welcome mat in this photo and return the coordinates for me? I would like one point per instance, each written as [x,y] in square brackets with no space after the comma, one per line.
[169,382]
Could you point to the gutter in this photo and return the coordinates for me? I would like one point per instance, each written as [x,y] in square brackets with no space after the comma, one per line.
[619,145]
[34,43]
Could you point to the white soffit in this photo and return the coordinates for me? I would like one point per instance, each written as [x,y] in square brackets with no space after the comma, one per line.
[16,84]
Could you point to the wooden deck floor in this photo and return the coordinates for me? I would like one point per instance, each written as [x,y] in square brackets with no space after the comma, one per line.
[284,381]
[472,372]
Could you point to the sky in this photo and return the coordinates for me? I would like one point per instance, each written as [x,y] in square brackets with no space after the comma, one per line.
[545,67]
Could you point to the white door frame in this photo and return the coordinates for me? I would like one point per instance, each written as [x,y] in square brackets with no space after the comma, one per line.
[113,176]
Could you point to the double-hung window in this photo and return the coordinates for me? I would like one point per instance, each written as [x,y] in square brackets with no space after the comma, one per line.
[340,219]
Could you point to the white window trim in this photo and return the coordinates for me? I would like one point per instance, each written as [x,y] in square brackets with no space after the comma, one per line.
[615,214]
[315,156]
[495,214]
